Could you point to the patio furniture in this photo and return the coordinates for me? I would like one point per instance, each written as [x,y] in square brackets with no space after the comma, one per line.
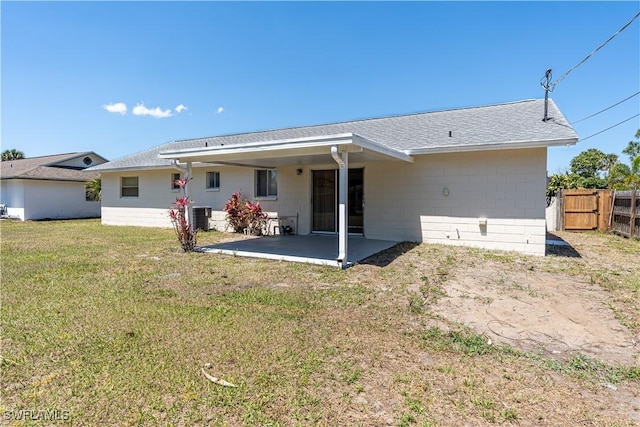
[283,225]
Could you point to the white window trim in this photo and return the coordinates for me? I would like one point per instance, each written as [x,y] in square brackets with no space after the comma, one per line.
[177,189]
[255,185]
[123,187]
[214,189]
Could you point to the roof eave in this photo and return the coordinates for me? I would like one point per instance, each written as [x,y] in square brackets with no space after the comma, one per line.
[493,146]
[284,147]
[129,168]
[260,146]
[30,178]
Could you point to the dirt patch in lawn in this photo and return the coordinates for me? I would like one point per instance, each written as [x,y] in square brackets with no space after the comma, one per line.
[561,305]
[548,313]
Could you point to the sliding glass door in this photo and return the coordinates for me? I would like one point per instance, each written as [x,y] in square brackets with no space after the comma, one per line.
[325,201]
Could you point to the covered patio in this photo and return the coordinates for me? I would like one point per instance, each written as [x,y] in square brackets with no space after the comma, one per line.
[311,249]
[338,149]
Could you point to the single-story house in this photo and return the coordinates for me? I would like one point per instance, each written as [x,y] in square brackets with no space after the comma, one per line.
[469,176]
[49,187]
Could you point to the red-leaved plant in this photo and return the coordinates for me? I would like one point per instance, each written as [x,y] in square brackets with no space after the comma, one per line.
[243,214]
[187,236]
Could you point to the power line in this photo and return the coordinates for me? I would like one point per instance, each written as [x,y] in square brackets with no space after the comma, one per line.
[608,108]
[610,127]
[564,76]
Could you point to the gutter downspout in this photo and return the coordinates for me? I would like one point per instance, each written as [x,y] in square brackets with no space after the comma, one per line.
[187,171]
[343,200]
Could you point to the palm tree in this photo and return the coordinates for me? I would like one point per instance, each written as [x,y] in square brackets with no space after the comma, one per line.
[94,189]
[634,179]
[12,154]
[623,177]
[633,148]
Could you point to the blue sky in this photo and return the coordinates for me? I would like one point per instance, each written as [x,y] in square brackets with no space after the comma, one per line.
[187,70]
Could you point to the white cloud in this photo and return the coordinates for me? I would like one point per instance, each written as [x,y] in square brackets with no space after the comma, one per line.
[158,113]
[220,110]
[180,108]
[118,107]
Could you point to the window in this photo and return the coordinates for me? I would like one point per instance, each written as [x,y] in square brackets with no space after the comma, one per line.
[129,186]
[213,180]
[266,183]
[174,178]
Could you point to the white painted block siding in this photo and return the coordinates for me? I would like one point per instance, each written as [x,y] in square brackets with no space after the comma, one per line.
[41,199]
[403,201]
[507,187]
[155,196]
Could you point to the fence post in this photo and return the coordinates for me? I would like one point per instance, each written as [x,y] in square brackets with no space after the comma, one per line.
[632,220]
[604,210]
[560,210]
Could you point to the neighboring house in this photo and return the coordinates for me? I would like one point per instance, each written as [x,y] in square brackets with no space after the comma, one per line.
[49,187]
[469,176]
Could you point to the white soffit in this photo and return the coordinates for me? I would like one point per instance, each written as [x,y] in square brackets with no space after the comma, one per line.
[298,151]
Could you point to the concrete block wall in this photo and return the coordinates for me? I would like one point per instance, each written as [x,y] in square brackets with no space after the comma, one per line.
[42,199]
[155,195]
[403,201]
[507,187]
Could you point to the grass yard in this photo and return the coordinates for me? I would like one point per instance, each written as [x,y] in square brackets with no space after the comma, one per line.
[112,325]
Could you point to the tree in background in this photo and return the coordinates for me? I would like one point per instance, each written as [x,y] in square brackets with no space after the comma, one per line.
[557,182]
[594,169]
[625,177]
[12,154]
[94,189]
[591,168]
[633,148]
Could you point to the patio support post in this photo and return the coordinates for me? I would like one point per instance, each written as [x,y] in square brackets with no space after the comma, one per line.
[342,159]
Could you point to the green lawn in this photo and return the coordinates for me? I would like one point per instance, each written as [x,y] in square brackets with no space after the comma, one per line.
[111,325]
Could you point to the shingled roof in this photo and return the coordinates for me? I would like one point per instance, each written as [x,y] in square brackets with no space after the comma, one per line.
[45,168]
[466,129]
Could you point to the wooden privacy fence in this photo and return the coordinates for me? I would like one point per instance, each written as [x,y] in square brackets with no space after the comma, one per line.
[602,210]
[585,209]
[625,218]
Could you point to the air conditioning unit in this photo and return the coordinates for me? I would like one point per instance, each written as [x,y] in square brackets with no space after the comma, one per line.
[201,215]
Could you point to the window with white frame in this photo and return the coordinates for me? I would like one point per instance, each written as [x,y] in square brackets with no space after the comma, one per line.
[266,183]
[129,186]
[213,180]
[174,184]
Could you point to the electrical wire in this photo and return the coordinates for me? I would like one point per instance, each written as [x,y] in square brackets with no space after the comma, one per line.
[608,108]
[610,127]
[564,76]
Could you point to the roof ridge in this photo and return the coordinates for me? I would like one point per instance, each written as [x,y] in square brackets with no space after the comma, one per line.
[76,153]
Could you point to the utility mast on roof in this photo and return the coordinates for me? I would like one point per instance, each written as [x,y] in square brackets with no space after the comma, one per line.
[545,82]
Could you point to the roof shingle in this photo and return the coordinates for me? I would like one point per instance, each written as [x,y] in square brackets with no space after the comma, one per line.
[44,168]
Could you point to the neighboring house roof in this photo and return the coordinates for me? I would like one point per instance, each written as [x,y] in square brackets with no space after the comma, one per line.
[49,168]
[511,125]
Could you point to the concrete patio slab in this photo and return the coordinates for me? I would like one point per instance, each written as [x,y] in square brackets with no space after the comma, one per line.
[311,249]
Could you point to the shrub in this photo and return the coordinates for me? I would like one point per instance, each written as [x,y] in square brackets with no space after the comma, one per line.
[187,236]
[243,214]
[236,213]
